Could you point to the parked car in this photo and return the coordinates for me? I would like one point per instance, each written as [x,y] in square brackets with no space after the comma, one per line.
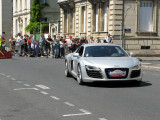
[102,62]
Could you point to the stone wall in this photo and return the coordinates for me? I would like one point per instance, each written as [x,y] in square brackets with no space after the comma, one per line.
[7,19]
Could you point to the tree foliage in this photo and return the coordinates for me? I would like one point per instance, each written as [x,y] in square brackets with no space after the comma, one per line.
[36,16]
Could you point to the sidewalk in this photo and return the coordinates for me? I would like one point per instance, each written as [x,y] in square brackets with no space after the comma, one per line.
[148,65]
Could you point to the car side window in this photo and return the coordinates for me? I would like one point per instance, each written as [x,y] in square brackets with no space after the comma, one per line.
[81,51]
[77,50]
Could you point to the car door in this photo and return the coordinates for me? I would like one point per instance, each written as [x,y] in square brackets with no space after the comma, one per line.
[74,61]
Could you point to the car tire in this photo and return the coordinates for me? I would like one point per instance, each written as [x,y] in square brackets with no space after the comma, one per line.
[66,70]
[79,76]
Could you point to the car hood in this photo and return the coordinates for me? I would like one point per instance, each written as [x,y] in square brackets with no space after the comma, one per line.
[111,62]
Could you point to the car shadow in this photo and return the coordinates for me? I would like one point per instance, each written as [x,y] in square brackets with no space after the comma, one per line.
[118,84]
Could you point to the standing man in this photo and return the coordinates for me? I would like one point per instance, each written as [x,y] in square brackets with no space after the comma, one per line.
[54,46]
[49,42]
[42,45]
[108,39]
[98,40]
[69,44]
[32,42]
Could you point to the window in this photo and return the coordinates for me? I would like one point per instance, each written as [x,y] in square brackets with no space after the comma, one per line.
[83,19]
[45,19]
[20,5]
[25,4]
[100,17]
[105,17]
[71,21]
[25,22]
[16,5]
[16,27]
[97,7]
[65,21]
[44,1]
[80,51]
[146,16]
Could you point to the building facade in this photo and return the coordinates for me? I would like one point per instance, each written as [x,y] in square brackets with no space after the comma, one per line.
[133,24]
[6,18]
[21,15]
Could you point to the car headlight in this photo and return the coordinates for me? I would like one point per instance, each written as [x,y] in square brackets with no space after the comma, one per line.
[92,68]
[137,67]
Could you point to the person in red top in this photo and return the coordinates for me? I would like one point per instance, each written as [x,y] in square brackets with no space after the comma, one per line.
[29,41]
[3,43]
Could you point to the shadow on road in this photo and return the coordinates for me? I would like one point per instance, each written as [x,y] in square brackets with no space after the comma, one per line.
[118,84]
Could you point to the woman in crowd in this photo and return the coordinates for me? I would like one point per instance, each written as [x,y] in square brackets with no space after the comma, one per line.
[25,45]
[12,43]
[57,49]
[29,42]
[37,48]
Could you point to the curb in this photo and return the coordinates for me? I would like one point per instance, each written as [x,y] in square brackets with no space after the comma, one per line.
[150,68]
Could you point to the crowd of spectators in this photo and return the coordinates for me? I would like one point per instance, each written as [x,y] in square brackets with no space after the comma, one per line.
[57,47]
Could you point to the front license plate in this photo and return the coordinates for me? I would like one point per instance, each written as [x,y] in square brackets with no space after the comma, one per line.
[117,73]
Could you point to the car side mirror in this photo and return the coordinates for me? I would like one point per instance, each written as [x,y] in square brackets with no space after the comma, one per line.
[75,54]
[132,54]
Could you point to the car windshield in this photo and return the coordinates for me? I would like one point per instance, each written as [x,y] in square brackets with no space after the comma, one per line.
[104,51]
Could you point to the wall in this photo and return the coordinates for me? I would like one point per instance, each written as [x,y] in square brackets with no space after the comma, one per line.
[7,18]
[0,17]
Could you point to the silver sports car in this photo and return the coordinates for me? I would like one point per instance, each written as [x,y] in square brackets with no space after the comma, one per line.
[102,62]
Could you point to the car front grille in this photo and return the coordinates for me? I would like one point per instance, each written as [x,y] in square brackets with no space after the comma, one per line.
[94,74]
[108,70]
[135,73]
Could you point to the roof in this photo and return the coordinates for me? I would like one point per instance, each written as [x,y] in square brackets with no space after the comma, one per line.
[100,44]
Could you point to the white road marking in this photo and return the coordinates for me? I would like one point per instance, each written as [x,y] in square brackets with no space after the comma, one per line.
[8,76]
[84,112]
[13,79]
[26,85]
[56,98]
[2,74]
[42,87]
[26,89]
[69,104]
[155,75]
[19,81]
[102,119]
[45,93]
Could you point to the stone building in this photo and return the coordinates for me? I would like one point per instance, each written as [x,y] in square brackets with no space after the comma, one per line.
[6,18]
[21,15]
[134,24]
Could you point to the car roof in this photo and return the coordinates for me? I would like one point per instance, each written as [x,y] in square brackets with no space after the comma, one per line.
[99,44]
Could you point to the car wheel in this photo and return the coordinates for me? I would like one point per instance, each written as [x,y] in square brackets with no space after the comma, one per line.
[79,76]
[66,70]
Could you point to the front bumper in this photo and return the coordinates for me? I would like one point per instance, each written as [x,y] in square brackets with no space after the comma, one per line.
[129,77]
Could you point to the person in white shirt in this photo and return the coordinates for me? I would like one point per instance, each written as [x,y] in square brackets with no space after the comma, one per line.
[18,47]
[108,39]
[69,44]
[32,42]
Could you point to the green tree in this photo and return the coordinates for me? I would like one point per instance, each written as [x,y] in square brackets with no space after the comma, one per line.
[36,16]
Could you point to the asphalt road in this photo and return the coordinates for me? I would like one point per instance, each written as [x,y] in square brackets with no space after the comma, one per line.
[37,89]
